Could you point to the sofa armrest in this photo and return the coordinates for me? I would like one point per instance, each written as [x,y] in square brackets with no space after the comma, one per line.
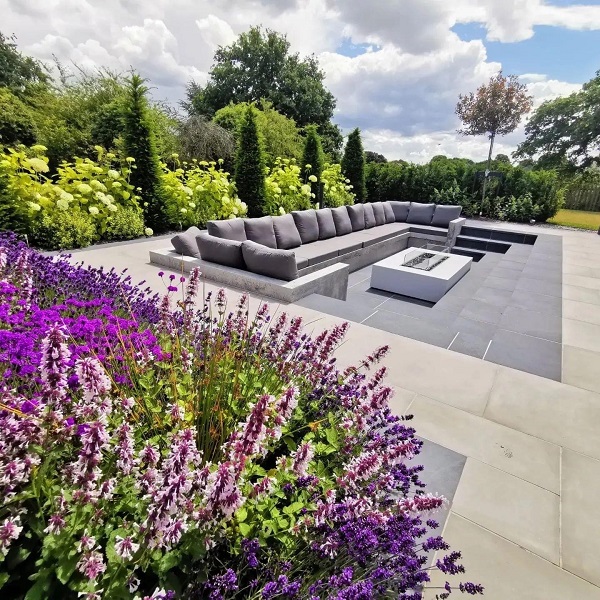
[454,229]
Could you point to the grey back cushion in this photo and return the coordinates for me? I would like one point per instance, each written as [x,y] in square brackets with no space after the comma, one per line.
[390,217]
[400,210]
[307,225]
[286,233]
[341,220]
[356,212]
[444,214]
[326,224]
[272,262]
[230,229]
[369,216]
[379,213]
[185,242]
[260,230]
[221,250]
[420,214]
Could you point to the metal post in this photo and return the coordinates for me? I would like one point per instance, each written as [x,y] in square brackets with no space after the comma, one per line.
[487,171]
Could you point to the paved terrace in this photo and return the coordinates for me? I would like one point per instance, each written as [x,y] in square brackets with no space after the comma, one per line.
[518,453]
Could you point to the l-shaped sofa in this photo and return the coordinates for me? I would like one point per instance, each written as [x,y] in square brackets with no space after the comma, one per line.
[308,251]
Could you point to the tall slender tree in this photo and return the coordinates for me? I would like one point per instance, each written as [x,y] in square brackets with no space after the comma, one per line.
[353,165]
[496,108]
[250,166]
[140,144]
[312,159]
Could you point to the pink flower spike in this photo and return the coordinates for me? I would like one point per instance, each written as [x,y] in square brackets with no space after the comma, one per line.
[125,547]
[10,530]
[91,565]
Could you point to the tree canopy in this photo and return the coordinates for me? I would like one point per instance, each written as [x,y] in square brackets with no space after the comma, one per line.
[353,165]
[18,72]
[564,133]
[258,65]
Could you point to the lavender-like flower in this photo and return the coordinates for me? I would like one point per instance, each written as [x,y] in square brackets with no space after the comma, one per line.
[91,565]
[124,449]
[302,457]
[223,494]
[10,530]
[125,547]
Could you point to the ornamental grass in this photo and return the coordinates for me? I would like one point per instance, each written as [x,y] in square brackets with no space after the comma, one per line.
[161,448]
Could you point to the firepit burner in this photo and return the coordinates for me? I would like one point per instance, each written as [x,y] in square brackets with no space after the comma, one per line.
[425,261]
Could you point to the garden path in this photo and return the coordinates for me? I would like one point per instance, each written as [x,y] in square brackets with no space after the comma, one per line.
[524,512]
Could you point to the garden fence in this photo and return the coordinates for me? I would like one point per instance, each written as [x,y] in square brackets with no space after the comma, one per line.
[583,198]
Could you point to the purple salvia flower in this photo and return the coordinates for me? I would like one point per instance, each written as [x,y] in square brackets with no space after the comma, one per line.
[302,457]
[56,524]
[93,379]
[363,467]
[284,407]
[53,366]
[248,442]
[91,564]
[125,547]
[222,493]
[86,472]
[10,529]
[124,448]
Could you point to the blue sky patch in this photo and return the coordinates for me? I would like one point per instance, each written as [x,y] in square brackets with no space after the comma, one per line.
[347,48]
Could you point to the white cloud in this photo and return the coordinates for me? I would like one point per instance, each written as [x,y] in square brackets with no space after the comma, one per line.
[402,93]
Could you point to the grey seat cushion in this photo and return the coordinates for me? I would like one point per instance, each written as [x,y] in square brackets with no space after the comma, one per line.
[326,224]
[379,213]
[341,220]
[356,212]
[400,210]
[272,262]
[369,216]
[349,243]
[307,225]
[390,217]
[185,242]
[383,232]
[260,230]
[230,229]
[420,214]
[221,250]
[444,214]
[286,233]
[320,251]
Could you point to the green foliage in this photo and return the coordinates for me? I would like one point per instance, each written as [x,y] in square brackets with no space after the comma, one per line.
[249,166]
[353,165]
[564,133]
[258,66]
[332,141]
[16,121]
[284,189]
[198,192]
[376,157]
[518,210]
[125,224]
[278,134]
[140,144]
[337,189]
[312,158]
[64,230]
[18,73]
[202,139]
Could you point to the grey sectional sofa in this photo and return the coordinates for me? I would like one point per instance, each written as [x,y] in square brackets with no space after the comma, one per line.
[292,245]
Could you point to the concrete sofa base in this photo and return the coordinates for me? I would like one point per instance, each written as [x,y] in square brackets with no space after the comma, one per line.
[330,281]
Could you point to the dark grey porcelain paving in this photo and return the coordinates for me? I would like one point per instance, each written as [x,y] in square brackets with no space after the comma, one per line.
[507,309]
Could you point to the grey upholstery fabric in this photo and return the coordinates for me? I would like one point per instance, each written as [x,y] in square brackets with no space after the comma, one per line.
[356,212]
[378,212]
[320,251]
[444,214]
[369,216]
[301,262]
[341,220]
[420,214]
[286,233]
[400,210]
[349,243]
[221,250]
[383,232]
[260,230]
[326,224]
[272,262]
[307,225]
[185,242]
[230,229]
[390,217]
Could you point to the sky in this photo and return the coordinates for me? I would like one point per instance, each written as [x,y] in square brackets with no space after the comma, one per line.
[396,67]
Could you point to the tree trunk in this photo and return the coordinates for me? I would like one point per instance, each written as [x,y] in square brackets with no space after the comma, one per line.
[487,170]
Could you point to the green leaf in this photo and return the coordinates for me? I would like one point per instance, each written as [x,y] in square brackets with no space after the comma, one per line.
[65,568]
[168,561]
[4,577]
[293,508]
[241,514]
[245,529]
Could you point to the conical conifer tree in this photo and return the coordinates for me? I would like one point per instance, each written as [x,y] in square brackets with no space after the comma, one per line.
[353,165]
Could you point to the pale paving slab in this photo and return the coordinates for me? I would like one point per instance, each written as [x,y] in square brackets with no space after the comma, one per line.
[401,401]
[582,281]
[552,411]
[581,368]
[580,523]
[506,570]
[581,334]
[517,453]
[517,510]
[579,294]
[581,311]
[573,269]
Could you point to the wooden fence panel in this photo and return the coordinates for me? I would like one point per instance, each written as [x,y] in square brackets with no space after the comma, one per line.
[583,198]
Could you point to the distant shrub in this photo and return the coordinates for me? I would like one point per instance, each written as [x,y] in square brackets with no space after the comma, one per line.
[284,189]
[125,224]
[62,231]
[337,190]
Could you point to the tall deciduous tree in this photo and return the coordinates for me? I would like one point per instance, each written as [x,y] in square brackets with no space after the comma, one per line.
[18,72]
[258,65]
[140,144]
[313,156]
[250,166]
[565,133]
[353,165]
[496,108]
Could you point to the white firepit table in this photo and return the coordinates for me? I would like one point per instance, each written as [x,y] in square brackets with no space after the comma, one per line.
[393,275]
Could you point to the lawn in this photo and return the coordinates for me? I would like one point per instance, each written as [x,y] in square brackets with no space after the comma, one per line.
[576,218]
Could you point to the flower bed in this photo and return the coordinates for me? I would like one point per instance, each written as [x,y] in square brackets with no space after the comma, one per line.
[159,451]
